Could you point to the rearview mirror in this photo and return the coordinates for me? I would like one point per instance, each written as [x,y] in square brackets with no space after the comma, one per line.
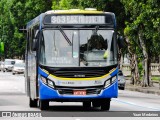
[34,45]
[121,42]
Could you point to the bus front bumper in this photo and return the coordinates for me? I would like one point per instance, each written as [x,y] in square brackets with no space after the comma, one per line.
[48,93]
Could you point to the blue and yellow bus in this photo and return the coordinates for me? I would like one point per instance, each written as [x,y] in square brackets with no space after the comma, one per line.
[72,56]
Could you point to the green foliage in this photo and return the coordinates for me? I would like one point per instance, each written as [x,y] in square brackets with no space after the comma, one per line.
[1,47]
[144,17]
[156,78]
[65,4]
[143,28]
[14,15]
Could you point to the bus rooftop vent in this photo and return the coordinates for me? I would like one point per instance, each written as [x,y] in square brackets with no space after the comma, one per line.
[49,12]
[92,9]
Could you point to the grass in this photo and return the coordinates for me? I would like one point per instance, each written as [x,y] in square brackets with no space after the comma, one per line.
[156,78]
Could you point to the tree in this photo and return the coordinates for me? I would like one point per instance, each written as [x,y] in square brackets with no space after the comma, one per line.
[133,51]
[14,15]
[144,21]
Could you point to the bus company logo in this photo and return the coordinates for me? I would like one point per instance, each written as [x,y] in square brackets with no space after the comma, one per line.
[97,82]
[6,114]
[79,76]
[59,82]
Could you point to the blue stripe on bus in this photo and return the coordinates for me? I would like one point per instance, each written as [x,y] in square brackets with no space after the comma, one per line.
[114,72]
[41,72]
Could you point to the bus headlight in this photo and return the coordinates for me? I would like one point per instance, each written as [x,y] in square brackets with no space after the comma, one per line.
[114,78]
[110,81]
[44,80]
[51,83]
[107,83]
[47,81]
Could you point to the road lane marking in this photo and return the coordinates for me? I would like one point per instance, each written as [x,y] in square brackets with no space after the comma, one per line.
[134,104]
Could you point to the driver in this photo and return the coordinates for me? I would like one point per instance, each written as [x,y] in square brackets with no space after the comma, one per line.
[97,42]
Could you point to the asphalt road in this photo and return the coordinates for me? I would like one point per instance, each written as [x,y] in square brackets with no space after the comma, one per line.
[13,98]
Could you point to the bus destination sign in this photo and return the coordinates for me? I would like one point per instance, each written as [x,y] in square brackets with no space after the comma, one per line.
[77,19]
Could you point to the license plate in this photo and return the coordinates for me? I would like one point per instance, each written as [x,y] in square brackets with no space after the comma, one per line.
[79,92]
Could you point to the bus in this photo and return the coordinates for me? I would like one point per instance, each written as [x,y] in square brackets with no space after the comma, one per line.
[72,56]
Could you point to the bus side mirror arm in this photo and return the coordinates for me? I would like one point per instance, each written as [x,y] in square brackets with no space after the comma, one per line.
[35,41]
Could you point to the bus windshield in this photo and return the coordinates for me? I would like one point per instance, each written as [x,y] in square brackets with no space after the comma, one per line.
[78,47]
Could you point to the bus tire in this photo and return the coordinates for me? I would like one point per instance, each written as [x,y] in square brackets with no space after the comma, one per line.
[105,104]
[86,104]
[33,103]
[43,104]
[96,103]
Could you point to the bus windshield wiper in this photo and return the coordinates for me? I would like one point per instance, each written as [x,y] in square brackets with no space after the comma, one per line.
[65,36]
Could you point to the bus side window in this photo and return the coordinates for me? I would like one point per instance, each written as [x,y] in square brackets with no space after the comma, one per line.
[34,35]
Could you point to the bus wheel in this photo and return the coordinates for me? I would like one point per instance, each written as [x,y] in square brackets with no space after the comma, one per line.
[43,104]
[86,104]
[105,104]
[96,103]
[33,103]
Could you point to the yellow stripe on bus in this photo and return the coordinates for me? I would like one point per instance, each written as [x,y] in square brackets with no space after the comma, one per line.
[78,12]
[93,78]
[45,71]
